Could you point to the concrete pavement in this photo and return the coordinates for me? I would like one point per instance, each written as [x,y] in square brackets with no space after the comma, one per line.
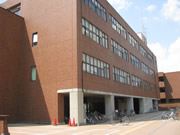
[145,124]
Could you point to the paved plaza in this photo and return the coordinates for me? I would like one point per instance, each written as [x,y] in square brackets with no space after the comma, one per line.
[145,124]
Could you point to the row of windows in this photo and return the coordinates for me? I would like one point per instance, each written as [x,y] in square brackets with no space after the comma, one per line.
[133,42]
[121,76]
[164,101]
[148,86]
[145,68]
[145,54]
[96,7]
[150,58]
[101,38]
[174,100]
[117,26]
[119,50]
[151,72]
[94,33]
[138,82]
[135,61]
[96,67]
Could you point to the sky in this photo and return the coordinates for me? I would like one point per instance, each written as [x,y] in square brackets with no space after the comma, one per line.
[159,20]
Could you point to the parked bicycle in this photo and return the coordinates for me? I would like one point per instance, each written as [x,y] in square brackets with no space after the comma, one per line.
[119,117]
[172,113]
[131,113]
[95,117]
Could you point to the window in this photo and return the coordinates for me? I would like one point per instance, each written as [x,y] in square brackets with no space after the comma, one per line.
[120,51]
[151,72]
[161,79]
[174,100]
[145,68]
[150,58]
[149,86]
[117,26]
[163,101]
[145,54]
[96,7]
[133,42]
[94,33]
[143,51]
[121,76]
[162,89]
[33,73]
[136,81]
[16,9]
[34,39]
[96,67]
[135,61]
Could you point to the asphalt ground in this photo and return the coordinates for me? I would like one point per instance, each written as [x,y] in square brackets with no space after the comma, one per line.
[144,124]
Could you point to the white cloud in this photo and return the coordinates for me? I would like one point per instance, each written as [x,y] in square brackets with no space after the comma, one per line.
[151,8]
[167,58]
[120,4]
[171,10]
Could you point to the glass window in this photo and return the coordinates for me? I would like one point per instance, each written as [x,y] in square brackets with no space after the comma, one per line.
[121,76]
[33,73]
[95,66]
[117,26]
[94,33]
[119,50]
[34,39]
[96,7]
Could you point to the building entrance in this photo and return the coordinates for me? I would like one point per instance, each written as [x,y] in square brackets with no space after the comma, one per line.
[136,105]
[94,103]
[66,108]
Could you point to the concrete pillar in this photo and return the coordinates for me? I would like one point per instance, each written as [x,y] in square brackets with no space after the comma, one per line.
[145,105]
[109,105]
[77,107]
[129,104]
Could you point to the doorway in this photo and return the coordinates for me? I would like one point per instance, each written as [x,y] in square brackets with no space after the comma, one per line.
[136,105]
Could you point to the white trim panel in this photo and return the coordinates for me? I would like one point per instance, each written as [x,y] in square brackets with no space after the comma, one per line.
[100,93]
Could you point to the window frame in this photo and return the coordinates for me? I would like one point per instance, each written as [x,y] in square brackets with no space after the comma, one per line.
[33,72]
[33,36]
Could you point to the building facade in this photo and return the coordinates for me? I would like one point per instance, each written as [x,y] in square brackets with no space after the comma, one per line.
[169,89]
[73,57]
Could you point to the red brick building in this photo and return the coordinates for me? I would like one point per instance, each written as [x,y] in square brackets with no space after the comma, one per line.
[169,89]
[67,58]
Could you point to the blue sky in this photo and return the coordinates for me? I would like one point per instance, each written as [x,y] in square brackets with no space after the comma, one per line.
[161,21]
[1,1]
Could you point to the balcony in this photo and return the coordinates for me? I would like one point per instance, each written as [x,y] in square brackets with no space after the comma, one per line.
[161,85]
[162,95]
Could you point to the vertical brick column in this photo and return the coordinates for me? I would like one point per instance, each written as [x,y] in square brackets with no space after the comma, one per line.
[3,125]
